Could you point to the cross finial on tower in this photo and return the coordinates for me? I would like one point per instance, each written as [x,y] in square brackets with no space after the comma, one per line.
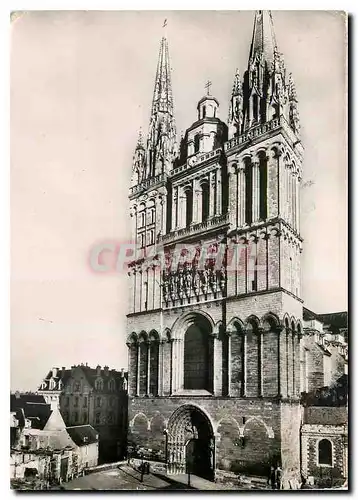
[207,86]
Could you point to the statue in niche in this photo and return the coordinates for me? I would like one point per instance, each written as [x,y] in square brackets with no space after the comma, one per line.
[196,281]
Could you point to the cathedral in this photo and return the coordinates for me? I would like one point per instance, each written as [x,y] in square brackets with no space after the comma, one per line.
[215,316]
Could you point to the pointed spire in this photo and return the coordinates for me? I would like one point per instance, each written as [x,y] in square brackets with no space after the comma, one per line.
[237,86]
[140,139]
[266,89]
[263,39]
[162,145]
[236,106]
[139,161]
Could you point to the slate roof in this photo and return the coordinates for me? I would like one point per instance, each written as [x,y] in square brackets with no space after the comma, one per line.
[83,434]
[335,395]
[334,321]
[64,376]
[31,406]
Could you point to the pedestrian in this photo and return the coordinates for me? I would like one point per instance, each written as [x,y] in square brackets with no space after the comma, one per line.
[271,477]
[278,475]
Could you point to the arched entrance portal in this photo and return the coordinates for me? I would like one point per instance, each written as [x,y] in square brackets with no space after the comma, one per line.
[190,443]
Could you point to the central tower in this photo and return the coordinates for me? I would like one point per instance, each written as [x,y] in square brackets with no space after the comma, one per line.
[215,311]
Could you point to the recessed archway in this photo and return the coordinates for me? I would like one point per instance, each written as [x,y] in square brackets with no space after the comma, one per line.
[190,443]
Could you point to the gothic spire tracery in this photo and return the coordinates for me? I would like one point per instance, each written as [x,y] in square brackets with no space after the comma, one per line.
[266,92]
[161,144]
[139,161]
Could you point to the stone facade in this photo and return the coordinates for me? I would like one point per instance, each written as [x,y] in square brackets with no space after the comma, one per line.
[218,355]
[94,396]
[42,446]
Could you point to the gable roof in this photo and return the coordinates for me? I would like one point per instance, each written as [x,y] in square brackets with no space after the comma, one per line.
[64,375]
[82,435]
[333,321]
[32,407]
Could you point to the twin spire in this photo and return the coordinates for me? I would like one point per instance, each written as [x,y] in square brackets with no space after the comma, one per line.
[161,148]
[264,93]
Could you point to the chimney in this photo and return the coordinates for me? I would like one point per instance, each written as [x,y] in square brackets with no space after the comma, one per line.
[106,368]
[54,372]
[63,371]
[98,370]
[73,369]
[122,372]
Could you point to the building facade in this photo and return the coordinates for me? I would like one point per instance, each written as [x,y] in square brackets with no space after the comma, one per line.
[215,314]
[42,449]
[94,396]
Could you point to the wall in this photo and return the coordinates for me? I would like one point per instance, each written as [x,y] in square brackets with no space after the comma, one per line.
[324,476]
[257,420]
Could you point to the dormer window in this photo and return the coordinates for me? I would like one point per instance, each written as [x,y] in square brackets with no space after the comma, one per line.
[99,384]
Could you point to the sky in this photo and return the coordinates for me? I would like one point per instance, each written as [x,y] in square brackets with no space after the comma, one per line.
[81,87]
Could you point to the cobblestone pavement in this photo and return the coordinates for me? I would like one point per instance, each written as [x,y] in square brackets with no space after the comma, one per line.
[127,478]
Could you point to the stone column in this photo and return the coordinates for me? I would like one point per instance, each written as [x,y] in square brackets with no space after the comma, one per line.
[285,186]
[175,208]
[175,363]
[181,208]
[244,368]
[163,207]
[229,333]
[260,353]
[196,194]
[298,195]
[138,369]
[218,209]
[255,190]
[290,198]
[212,194]
[213,339]
[233,196]
[180,366]
[294,363]
[241,195]
[148,369]
[160,368]
[200,204]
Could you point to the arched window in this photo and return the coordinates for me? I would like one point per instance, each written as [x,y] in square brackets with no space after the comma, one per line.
[111,385]
[84,418]
[255,107]
[196,143]
[196,358]
[263,185]
[205,201]
[204,111]
[248,191]
[325,452]
[154,360]
[151,216]
[99,384]
[275,111]
[141,221]
[143,363]
[189,206]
